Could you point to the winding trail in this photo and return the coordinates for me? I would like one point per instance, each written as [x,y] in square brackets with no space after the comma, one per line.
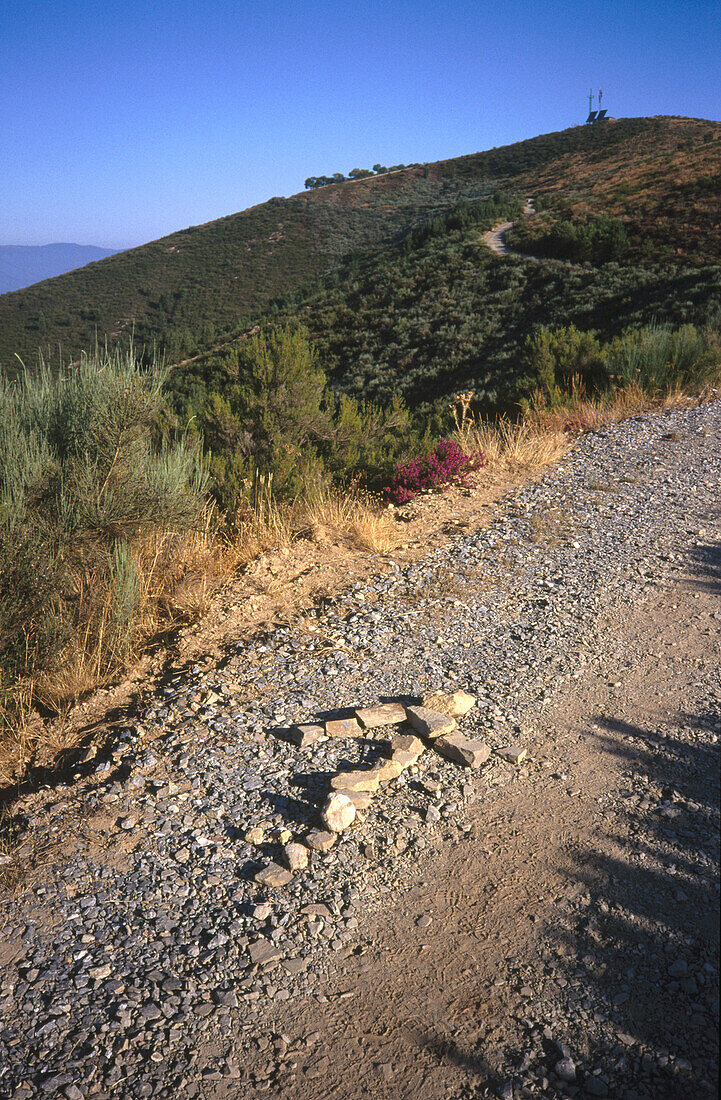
[495,238]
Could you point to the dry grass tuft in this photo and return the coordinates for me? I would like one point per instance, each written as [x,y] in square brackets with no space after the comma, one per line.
[523,444]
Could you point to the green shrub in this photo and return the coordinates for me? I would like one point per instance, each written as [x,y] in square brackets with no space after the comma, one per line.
[86,476]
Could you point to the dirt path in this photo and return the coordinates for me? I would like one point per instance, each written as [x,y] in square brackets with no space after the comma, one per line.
[496,238]
[576,910]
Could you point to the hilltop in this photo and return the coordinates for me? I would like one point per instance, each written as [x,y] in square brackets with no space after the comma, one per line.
[190,290]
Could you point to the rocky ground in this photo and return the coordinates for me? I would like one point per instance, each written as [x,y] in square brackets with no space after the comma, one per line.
[548,928]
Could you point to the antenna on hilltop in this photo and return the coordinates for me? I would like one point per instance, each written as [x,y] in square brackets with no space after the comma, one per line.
[600,97]
[591,112]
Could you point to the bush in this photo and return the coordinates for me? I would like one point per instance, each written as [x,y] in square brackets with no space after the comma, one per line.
[446,464]
[87,476]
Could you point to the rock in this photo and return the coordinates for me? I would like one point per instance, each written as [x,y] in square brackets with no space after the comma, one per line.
[594,1086]
[388,769]
[514,754]
[456,704]
[385,714]
[433,815]
[360,799]
[462,750]
[366,780]
[405,748]
[338,812]
[678,969]
[273,875]
[566,1070]
[100,973]
[342,727]
[182,855]
[424,921]
[305,735]
[263,952]
[256,835]
[428,722]
[296,856]
[318,840]
[284,835]
[262,911]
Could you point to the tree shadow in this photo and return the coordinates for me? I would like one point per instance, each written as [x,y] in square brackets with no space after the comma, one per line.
[638,946]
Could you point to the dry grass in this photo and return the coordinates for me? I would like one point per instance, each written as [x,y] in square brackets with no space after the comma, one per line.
[525,444]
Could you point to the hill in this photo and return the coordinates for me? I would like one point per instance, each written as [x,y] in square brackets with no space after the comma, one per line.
[194,288]
[23,265]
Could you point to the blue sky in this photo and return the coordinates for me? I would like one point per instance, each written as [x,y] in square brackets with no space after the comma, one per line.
[123,121]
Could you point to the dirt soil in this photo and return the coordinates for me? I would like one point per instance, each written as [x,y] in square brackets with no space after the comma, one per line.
[569,897]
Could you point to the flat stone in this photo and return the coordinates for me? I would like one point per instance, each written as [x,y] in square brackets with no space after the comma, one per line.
[407,742]
[342,727]
[338,812]
[405,759]
[455,704]
[366,780]
[263,952]
[318,840]
[360,799]
[514,754]
[384,714]
[461,750]
[99,973]
[305,735]
[428,722]
[388,769]
[273,875]
[295,856]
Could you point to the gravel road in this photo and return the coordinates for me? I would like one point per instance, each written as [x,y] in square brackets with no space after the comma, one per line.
[142,959]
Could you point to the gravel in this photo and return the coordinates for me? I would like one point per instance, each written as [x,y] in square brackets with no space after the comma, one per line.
[118,971]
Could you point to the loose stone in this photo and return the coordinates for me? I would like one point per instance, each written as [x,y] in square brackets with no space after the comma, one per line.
[305,735]
[456,704]
[367,780]
[385,714]
[263,952]
[319,840]
[342,727]
[273,875]
[428,722]
[338,812]
[360,799]
[514,754]
[296,856]
[461,750]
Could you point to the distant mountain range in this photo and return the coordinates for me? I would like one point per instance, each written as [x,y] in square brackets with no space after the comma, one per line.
[23,265]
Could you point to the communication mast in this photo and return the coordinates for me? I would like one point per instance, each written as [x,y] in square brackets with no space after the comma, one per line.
[591,112]
[595,116]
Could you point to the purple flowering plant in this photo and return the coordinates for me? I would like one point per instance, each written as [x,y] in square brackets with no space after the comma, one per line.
[445,465]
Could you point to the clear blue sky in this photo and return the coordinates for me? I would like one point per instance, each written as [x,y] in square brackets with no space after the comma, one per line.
[123,120]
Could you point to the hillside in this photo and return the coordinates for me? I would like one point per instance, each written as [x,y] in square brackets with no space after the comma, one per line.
[23,265]
[191,289]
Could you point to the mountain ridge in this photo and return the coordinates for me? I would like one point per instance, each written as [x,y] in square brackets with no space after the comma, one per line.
[184,290]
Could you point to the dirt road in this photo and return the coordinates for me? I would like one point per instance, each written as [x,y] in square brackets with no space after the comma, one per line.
[576,915]
[496,238]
